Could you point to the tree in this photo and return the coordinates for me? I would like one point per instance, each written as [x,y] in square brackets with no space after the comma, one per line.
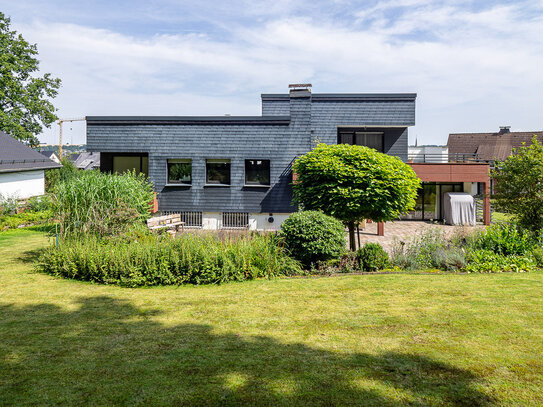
[519,185]
[24,97]
[353,183]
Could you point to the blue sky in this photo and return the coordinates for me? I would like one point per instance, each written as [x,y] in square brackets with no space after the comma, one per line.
[475,65]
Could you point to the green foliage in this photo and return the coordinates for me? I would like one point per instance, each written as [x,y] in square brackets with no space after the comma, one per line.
[537,255]
[8,204]
[353,183]
[312,236]
[428,250]
[372,257]
[24,97]
[105,204]
[39,204]
[160,260]
[57,175]
[505,239]
[519,187]
[487,261]
[24,219]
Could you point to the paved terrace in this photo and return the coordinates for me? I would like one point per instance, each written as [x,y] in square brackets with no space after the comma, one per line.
[405,230]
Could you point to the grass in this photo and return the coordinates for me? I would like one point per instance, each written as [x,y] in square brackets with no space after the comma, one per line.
[383,340]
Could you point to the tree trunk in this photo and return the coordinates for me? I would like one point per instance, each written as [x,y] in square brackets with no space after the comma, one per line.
[352,242]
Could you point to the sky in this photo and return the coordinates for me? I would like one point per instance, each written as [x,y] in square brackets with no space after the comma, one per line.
[475,65]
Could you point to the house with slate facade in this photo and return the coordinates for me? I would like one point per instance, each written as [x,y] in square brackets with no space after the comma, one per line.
[235,171]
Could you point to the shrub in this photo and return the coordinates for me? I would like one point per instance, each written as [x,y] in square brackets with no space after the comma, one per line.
[24,219]
[312,236]
[372,257]
[505,239]
[39,204]
[487,261]
[537,255]
[430,250]
[160,260]
[58,175]
[8,204]
[103,204]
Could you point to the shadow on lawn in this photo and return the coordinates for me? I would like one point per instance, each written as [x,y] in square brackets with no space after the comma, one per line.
[109,352]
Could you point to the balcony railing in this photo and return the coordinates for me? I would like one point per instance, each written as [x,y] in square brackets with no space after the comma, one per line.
[438,158]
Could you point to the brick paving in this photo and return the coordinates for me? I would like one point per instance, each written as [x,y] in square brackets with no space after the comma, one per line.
[404,230]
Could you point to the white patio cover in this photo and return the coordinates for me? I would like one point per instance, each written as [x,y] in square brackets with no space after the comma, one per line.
[459,208]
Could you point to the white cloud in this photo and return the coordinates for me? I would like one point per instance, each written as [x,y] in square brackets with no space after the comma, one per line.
[472,69]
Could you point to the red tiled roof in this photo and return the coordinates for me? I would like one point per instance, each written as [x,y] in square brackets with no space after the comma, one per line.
[489,146]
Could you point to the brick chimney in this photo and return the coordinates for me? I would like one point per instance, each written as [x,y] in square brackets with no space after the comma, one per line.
[299,90]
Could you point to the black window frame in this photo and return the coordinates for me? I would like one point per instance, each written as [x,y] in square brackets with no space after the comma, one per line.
[219,161]
[354,133]
[253,183]
[171,161]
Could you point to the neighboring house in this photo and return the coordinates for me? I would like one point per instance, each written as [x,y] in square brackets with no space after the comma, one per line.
[235,171]
[489,147]
[86,160]
[429,154]
[22,169]
[51,155]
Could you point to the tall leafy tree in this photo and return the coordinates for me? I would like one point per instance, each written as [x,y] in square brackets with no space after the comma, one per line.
[25,106]
[519,185]
[353,183]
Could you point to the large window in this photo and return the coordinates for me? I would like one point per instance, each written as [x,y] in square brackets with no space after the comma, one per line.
[257,172]
[217,172]
[372,139]
[179,172]
[123,163]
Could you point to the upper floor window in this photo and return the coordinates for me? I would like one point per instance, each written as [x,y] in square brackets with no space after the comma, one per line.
[180,171]
[121,163]
[372,139]
[218,172]
[257,172]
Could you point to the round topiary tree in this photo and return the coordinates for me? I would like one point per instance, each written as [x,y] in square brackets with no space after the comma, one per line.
[312,236]
[352,183]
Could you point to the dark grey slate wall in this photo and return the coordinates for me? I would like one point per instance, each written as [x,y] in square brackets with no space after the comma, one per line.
[326,116]
[312,117]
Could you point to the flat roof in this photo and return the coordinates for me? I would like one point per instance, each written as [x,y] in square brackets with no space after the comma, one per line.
[362,97]
[188,120]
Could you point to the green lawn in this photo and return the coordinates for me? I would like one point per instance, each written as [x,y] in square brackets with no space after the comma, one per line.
[382,340]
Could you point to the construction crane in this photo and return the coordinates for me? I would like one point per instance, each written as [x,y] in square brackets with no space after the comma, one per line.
[60,121]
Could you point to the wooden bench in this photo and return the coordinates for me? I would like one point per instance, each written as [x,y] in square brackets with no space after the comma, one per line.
[170,222]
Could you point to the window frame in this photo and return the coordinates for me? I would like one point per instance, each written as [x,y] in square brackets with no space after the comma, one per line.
[254,185]
[180,161]
[217,161]
[352,133]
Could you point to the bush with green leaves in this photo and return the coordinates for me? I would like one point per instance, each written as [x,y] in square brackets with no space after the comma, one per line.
[505,239]
[57,175]
[8,204]
[39,204]
[25,219]
[428,250]
[101,203]
[312,236]
[352,183]
[519,189]
[487,261]
[144,259]
[372,257]
[537,255]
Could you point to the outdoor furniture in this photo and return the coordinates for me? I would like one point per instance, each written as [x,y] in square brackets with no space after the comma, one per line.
[459,208]
[170,222]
